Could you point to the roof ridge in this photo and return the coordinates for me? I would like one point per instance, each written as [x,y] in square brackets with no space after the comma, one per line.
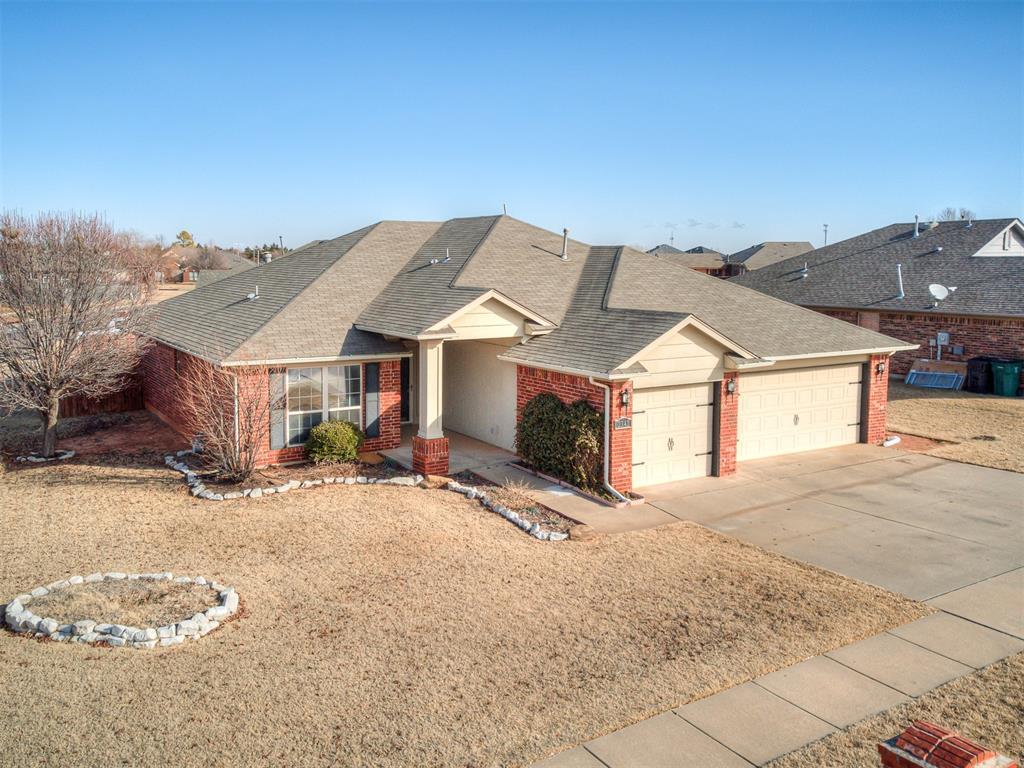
[476,248]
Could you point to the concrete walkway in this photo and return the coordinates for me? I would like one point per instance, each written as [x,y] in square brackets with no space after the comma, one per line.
[946,533]
[772,715]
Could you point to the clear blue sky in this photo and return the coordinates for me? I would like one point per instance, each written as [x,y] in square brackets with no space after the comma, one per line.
[734,122]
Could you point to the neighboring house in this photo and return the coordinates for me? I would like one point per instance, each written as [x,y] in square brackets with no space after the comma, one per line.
[762,255]
[699,258]
[185,263]
[457,325]
[880,281]
[711,262]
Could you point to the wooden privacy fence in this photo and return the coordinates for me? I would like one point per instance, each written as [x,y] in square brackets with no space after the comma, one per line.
[127,399]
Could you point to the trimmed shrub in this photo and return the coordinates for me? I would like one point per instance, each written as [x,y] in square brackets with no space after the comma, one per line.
[331,441]
[561,440]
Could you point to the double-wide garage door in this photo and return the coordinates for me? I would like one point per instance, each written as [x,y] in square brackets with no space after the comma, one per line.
[672,433]
[798,410]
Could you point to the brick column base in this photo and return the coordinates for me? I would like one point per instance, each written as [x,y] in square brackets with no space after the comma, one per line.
[430,456]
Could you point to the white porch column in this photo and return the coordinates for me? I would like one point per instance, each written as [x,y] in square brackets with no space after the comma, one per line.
[431,370]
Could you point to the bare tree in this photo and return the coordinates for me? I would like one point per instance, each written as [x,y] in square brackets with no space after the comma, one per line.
[230,412]
[211,257]
[75,291]
[955,214]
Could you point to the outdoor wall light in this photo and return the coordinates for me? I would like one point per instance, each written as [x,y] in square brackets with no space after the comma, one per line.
[880,368]
[730,386]
[624,397]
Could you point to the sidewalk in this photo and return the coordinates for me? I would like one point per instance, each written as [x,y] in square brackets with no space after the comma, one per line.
[756,722]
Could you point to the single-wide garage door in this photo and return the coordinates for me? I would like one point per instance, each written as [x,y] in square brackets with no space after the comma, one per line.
[672,428]
[798,410]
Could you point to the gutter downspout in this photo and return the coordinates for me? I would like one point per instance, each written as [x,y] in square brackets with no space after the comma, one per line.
[607,430]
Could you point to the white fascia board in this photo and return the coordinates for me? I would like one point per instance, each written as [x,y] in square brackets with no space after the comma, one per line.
[317,360]
[841,353]
[603,375]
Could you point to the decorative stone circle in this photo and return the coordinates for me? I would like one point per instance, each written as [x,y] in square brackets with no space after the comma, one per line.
[20,618]
[35,458]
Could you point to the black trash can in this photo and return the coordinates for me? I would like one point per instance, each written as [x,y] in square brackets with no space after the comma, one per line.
[979,375]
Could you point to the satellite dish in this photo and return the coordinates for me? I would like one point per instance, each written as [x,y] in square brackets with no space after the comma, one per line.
[938,292]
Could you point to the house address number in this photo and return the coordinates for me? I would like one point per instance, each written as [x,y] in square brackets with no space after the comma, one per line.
[623,423]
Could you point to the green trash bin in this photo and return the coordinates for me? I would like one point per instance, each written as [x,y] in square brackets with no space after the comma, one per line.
[1006,378]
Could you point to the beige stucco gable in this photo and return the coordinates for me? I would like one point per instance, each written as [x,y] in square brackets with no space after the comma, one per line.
[685,356]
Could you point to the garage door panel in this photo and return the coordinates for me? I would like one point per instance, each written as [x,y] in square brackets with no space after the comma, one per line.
[671,434]
[790,411]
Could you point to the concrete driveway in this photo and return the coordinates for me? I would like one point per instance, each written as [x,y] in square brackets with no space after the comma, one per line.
[911,523]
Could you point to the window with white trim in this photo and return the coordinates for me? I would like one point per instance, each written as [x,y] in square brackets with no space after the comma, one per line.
[333,393]
[345,393]
[305,402]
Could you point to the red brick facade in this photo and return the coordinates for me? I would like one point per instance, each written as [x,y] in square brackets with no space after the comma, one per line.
[430,455]
[979,336]
[728,413]
[876,394]
[569,388]
[162,395]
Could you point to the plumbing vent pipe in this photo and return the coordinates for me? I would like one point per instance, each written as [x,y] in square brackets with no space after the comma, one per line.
[565,245]
[917,226]
[899,277]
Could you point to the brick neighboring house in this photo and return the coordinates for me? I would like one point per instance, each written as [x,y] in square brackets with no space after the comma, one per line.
[880,281]
[454,326]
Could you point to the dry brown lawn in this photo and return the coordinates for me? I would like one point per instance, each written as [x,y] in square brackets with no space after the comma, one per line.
[975,429]
[388,626]
[986,707]
[132,603]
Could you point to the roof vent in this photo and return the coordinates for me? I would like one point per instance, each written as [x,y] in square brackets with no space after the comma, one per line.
[933,224]
[899,277]
[565,245]
[254,295]
[266,257]
[970,223]
[804,271]
[917,226]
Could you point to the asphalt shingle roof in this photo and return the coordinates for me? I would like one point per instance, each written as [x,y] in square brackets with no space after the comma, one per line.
[861,272]
[342,297]
[763,254]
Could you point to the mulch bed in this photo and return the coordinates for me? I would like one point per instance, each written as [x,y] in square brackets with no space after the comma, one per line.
[518,501]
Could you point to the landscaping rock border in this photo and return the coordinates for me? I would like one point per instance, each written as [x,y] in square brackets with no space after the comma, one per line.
[35,458]
[199,490]
[511,515]
[22,620]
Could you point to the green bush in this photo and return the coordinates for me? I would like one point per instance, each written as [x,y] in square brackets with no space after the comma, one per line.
[561,440]
[331,441]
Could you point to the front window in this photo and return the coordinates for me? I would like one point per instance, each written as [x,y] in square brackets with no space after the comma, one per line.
[307,405]
[305,402]
[344,393]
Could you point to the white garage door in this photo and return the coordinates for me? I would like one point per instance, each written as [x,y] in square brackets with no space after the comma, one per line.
[799,410]
[672,428]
